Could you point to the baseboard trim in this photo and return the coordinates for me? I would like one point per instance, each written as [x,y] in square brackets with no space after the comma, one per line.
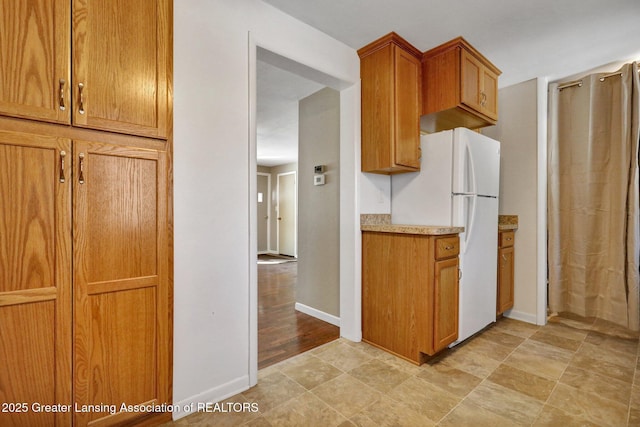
[329,318]
[190,405]
[520,315]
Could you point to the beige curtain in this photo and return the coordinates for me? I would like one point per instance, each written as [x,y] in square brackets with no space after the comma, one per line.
[593,209]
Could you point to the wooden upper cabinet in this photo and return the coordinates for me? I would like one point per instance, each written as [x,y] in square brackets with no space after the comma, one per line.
[460,88]
[390,71]
[121,57]
[35,65]
[121,61]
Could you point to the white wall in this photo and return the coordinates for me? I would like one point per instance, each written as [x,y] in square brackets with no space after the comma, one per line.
[517,130]
[214,268]
[318,286]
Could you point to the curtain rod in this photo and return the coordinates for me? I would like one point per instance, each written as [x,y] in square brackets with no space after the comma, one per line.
[579,82]
[570,84]
[606,76]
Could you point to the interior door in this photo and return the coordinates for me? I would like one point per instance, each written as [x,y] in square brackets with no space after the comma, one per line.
[35,279]
[263,213]
[287,212]
[120,280]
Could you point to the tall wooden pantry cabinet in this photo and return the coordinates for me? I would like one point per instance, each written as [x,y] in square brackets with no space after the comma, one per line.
[85,218]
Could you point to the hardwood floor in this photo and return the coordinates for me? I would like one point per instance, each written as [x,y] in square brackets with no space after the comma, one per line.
[284,332]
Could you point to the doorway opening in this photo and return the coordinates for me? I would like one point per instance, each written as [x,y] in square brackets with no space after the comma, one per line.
[298,244]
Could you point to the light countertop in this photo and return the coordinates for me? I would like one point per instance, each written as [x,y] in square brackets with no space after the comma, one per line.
[381,223]
[507,222]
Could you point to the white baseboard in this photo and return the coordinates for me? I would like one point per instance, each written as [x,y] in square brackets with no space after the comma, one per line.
[520,315]
[190,405]
[329,318]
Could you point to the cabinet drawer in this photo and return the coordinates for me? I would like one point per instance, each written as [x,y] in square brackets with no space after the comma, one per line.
[506,239]
[447,247]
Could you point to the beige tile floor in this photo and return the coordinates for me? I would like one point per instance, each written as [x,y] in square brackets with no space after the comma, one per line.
[568,373]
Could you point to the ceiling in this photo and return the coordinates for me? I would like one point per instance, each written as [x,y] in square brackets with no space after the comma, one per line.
[278,93]
[525,39]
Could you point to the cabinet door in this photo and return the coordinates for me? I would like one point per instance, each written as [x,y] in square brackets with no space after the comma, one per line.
[35,279]
[471,81]
[489,94]
[121,53]
[445,311]
[505,279]
[34,69]
[376,75]
[407,109]
[121,342]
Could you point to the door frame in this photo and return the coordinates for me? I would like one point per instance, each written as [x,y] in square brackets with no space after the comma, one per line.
[293,59]
[295,211]
[268,175]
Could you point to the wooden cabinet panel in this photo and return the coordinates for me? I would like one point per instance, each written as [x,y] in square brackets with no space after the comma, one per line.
[121,54]
[471,80]
[506,238]
[121,346]
[393,280]
[390,73]
[506,271]
[490,93]
[35,65]
[407,109]
[460,88]
[505,279]
[445,327]
[35,279]
[447,247]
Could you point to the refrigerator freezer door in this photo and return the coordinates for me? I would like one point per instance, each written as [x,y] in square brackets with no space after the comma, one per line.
[478,261]
[476,167]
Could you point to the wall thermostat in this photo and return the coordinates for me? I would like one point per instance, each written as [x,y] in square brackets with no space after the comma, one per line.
[318,169]
[318,180]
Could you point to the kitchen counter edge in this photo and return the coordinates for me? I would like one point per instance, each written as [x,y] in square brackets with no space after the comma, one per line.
[431,230]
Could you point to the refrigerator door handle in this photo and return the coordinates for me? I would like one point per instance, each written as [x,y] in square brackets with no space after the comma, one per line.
[472,169]
[469,221]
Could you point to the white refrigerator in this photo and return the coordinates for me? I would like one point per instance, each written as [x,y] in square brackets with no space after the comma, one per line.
[458,185]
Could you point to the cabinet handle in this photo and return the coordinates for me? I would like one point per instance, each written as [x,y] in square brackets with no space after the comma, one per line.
[459,273]
[62,156]
[61,105]
[504,258]
[81,95]
[81,168]
[484,98]
[509,239]
[448,248]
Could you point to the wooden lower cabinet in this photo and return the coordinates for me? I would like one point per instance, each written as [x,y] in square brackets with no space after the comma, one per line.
[84,280]
[505,271]
[409,293]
